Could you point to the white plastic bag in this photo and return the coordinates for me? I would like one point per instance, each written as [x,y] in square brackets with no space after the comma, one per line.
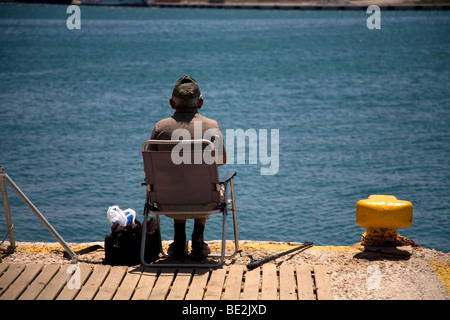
[115,214]
[130,214]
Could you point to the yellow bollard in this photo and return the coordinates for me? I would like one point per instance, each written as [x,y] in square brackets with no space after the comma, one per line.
[382,215]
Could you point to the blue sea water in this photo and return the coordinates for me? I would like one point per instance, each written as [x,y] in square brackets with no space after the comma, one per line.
[359,112]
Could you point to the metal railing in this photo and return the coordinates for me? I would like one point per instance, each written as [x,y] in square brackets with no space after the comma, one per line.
[10,233]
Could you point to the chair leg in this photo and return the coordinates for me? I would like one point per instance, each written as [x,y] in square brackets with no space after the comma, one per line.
[222,254]
[224,240]
[233,209]
[144,237]
[186,265]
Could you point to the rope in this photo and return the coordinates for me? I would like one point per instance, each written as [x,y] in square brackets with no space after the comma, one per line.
[385,237]
[6,235]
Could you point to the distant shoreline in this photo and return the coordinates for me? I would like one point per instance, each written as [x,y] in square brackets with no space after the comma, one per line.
[288,6]
[268,5]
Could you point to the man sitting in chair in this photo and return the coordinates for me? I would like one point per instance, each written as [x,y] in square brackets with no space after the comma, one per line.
[186,100]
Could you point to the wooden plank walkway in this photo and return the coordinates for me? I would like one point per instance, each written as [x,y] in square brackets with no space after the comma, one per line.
[102,282]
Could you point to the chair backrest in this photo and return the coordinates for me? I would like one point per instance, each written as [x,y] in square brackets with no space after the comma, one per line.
[180,184]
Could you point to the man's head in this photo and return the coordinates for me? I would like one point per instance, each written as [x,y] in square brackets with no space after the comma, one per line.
[186,95]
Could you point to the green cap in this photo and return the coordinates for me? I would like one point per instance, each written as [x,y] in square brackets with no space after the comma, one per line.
[186,88]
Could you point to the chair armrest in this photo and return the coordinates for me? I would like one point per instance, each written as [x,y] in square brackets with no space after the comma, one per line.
[228,176]
[224,180]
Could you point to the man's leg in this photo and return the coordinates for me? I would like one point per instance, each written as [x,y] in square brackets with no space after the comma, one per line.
[199,247]
[178,247]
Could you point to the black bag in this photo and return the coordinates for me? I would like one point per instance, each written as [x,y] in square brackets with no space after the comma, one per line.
[123,245]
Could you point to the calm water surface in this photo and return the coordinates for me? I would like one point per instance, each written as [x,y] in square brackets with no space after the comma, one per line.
[359,112]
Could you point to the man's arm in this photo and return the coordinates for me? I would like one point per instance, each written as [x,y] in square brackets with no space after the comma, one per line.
[154,136]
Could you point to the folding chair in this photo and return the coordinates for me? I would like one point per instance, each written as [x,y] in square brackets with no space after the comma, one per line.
[171,185]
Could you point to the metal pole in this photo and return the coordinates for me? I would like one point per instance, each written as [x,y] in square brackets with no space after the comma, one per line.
[258,262]
[9,224]
[41,217]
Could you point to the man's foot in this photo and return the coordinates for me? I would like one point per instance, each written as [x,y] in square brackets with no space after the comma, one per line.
[177,250]
[200,249]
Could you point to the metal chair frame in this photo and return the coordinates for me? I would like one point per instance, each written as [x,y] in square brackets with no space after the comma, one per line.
[228,184]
